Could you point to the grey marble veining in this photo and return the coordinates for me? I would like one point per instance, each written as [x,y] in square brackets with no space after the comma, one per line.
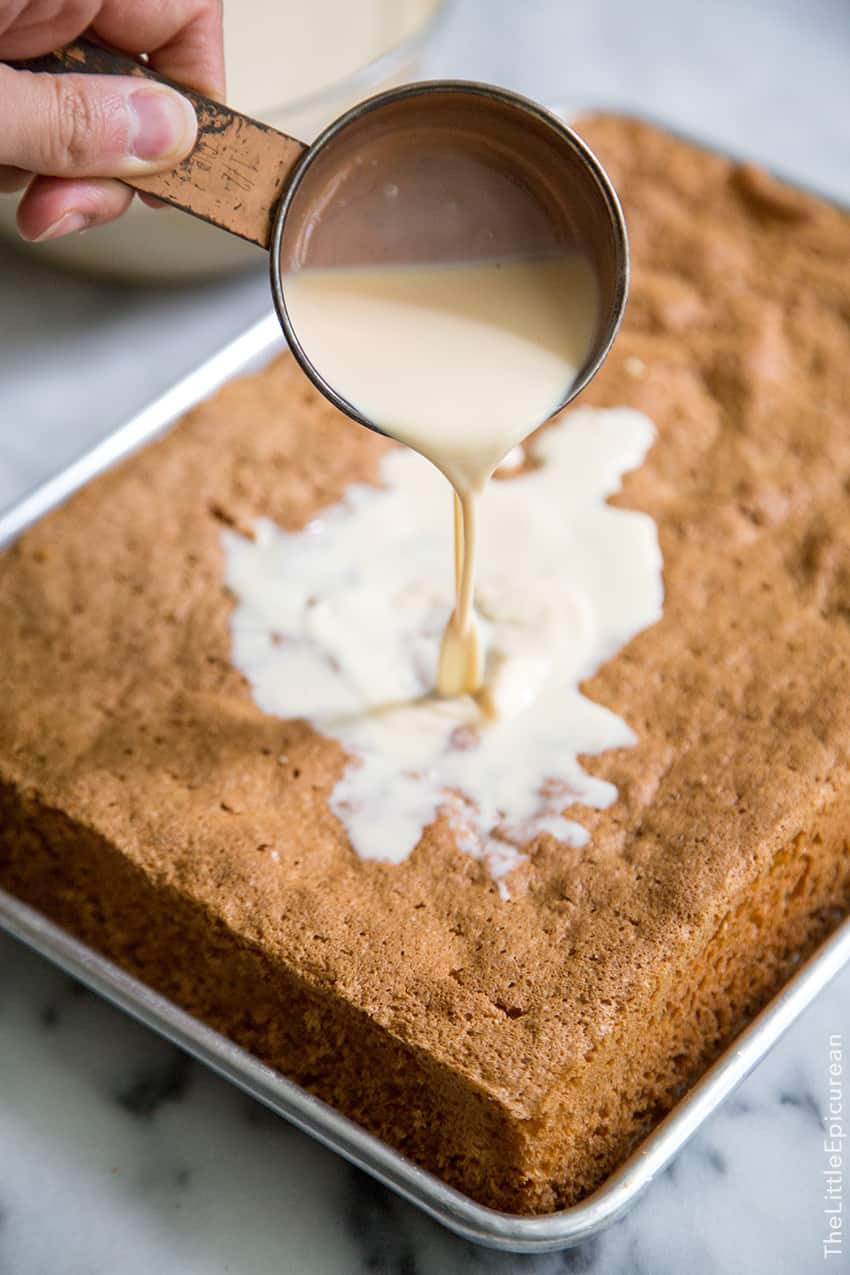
[120,1157]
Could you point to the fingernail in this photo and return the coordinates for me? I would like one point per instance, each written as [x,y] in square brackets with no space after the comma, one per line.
[67,224]
[162,124]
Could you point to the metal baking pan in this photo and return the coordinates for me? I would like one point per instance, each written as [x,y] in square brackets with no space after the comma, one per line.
[450,1207]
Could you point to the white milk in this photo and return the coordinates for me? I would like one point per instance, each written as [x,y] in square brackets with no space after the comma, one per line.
[361,597]
[282,51]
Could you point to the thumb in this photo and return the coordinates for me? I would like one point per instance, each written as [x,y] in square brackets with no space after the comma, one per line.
[92,125]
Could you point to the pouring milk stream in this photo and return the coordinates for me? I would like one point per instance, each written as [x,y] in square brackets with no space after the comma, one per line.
[478,355]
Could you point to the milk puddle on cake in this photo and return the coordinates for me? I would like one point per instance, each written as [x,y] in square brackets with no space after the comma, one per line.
[353,622]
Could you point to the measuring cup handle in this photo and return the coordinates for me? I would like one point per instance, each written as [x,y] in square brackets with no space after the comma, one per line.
[238,168]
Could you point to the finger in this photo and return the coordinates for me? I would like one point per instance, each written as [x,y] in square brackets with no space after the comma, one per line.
[151,201]
[92,125]
[13,178]
[27,30]
[55,206]
[183,37]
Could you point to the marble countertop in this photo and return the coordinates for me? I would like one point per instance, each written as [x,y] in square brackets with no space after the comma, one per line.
[118,1156]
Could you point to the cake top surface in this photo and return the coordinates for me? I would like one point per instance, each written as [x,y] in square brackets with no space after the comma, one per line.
[122,706]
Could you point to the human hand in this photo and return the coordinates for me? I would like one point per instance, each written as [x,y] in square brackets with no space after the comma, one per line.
[65,138]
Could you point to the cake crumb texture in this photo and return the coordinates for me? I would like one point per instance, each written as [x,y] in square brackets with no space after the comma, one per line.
[518,1049]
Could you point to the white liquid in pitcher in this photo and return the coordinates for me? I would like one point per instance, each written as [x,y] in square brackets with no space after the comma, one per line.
[279,53]
[459,361]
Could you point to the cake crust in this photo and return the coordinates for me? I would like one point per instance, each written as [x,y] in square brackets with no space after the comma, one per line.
[517,1048]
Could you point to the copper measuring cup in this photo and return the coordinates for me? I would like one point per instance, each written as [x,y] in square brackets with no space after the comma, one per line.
[523,183]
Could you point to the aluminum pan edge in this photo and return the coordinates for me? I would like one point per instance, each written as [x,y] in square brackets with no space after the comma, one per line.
[247,351]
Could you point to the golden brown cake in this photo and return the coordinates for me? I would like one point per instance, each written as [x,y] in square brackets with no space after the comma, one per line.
[516,1048]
